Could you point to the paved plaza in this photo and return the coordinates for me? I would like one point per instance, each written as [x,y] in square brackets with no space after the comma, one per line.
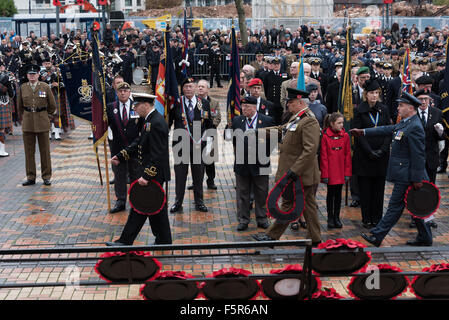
[73,211]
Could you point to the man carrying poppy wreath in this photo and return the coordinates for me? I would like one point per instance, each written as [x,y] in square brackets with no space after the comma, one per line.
[406,166]
[298,159]
[151,150]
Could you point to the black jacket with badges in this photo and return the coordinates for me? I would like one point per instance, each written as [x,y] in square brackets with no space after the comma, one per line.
[122,136]
[201,115]
[245,167]
[151,149]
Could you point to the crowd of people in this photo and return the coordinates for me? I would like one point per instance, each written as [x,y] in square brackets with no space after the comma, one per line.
[308,123]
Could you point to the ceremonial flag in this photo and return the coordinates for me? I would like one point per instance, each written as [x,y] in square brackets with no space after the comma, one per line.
[345,105]
[185,51]
[166,86]
[301,84]
[406,79]
[233,103]
[99,115]
[77,78]
[445,93]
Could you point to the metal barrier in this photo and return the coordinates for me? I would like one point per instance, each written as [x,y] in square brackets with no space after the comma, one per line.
[200,66]
[306,276]
[306,254]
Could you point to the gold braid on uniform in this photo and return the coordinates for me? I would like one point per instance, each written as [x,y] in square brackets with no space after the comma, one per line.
[125,155]
[151,171]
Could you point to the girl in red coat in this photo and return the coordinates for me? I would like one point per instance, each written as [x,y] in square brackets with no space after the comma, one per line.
[336,167]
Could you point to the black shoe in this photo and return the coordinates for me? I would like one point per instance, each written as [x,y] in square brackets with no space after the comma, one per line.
[264,225]
[355,204]
[433,224]
[416,243]
[412,224]
[212,186]
[251,205]
[112,181]
[330,221]
[176,208]
[371,239]
[262,237]
[28,183]
[47,182]
[190,187]
[201,207]
[303,224]
[115,244]
[117,208]
[294,226]
[242,227]
[337,222]
[441,170]
[220,86]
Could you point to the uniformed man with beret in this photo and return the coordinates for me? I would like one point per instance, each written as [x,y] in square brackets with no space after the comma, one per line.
[125,125]
[300,138]
[250,176]
[36,104]
[265,107]
[190,113]
[151,151]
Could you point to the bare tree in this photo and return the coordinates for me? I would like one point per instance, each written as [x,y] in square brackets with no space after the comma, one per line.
[242,21]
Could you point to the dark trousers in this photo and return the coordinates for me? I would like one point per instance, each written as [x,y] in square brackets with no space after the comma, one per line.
[333,199]
[159,223]
[444,155]
[371,198]
[210,172]
[121,173]
[244,186]
[395,208]
[215,71]
[354,187]
[432,173]
[181,171]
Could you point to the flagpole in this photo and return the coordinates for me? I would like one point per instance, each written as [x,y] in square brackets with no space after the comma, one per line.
[104,142]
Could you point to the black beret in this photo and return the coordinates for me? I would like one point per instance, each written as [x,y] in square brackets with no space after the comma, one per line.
[186,81]
[424,80]
[249,100]
[296,94]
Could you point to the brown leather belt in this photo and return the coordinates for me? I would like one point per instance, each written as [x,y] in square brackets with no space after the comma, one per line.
[34,109]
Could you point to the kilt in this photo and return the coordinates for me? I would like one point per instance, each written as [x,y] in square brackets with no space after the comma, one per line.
[62,110]
[6,115]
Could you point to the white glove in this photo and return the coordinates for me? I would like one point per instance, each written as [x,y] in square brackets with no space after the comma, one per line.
[441,144]
[439,129]
[188,63]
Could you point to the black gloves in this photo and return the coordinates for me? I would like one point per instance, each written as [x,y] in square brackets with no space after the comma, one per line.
[291,175]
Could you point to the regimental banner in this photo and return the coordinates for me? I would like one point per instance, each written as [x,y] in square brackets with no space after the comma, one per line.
[77,78]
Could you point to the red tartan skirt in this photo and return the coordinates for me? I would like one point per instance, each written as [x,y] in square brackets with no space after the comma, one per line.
[5,115]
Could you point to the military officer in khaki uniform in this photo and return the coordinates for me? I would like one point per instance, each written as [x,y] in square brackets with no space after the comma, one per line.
[36,104]
[298,158]
[258,63]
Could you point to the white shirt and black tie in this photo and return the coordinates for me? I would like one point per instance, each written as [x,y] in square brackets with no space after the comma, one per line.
[424,115]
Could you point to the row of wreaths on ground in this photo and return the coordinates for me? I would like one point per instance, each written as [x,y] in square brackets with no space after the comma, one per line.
[338,257]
